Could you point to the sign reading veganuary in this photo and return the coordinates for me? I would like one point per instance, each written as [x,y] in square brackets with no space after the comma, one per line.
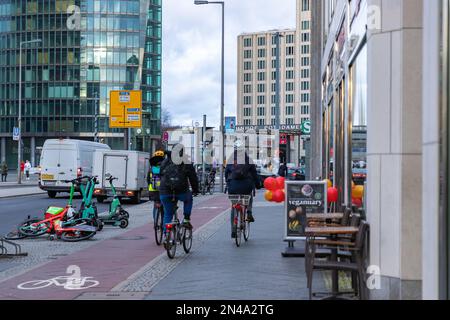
[302,198]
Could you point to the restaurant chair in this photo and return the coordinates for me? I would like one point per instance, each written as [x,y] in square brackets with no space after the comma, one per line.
[354,259]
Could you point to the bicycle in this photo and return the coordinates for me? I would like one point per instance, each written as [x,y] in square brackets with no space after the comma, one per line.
[240,221]
[177,233]
[158,220]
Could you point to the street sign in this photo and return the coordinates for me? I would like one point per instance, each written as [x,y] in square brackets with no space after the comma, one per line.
[306,127]
[166,136]
[126,109]
[16,134]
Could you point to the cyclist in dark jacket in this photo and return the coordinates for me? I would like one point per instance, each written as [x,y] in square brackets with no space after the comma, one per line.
[185,175]
[242,179]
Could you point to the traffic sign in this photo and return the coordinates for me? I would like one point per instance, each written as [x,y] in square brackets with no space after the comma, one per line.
[16,134]
[306,127]
[126,109]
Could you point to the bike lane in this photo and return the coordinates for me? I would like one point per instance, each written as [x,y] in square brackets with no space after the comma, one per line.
[109,262]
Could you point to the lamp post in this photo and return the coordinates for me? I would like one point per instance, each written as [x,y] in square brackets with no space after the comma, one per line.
[222,100]
[19,120]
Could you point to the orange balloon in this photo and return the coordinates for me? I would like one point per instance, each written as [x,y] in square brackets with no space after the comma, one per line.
[353,185]
[268,196]
[358,192]
[329,183]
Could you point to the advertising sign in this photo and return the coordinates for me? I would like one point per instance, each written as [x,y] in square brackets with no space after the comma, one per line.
[230,124]
[126,109]
[302,198]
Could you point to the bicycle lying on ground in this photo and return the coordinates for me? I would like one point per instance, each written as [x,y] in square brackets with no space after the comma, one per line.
[239,217]
[177,233]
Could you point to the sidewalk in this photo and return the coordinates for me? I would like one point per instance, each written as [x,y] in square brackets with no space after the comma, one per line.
[127,264]
[15,190]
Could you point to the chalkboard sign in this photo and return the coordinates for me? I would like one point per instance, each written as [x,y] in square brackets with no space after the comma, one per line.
[302,197]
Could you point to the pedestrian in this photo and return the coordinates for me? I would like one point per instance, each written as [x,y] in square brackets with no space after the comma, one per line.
[22,167]
[4,170]
[27,168]
[282,171]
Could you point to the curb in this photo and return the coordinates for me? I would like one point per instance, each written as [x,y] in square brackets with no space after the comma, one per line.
[22,195]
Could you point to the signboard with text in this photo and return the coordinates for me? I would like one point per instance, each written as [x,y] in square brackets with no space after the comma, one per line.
[302,198]
[125,109]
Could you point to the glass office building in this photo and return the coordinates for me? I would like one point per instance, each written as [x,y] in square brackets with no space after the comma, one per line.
[88,48]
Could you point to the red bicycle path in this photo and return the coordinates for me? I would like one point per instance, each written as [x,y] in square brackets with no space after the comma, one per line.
[110,262]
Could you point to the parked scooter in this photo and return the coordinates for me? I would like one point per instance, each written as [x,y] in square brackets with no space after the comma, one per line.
[116,216]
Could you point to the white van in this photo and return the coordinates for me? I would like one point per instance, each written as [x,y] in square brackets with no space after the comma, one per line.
[66,159]
[129,167]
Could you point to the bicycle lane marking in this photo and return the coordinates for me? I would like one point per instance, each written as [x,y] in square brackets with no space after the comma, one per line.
[110,262]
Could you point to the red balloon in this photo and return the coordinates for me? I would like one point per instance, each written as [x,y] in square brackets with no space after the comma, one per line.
[333,195]
[270,184]
[278,196]
[357,202]
[280,182]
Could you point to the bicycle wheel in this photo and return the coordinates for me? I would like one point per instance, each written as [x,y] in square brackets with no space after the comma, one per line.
[238,226]
[171,243]
[35,284]
[83,232]
[158,226]
[212,186]
[246,227]
[14,235]
[32,228]
[187,239]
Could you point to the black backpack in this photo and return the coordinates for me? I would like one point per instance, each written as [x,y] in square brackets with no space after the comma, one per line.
[240,172]
[174,177]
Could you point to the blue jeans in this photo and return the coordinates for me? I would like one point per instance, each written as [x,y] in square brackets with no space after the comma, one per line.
[168,203]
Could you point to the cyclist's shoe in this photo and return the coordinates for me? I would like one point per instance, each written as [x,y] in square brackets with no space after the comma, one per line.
[187,224]
[250,217]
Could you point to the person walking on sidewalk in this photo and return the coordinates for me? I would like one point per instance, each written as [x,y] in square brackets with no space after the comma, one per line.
[242,179]
[27,169]
[4,171]
[22,168]
[175,181]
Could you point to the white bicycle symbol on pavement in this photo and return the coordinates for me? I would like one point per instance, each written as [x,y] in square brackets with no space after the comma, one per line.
[71,282]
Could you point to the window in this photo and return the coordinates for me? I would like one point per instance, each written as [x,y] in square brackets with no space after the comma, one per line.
[261,111]
[305,73]
[247,100]
[305,110]
[290,51]
[261,64]
[305,97]
[261,99]
[261,53]
[247,42]
[305,62]
[305,49]
[248,65]
[247,88]
[305,5]
[261,122]
[290,63]
[261,41]
[305,37]
[247,122]
[247,77]
[261,76]
[289,120]
[289,86]
[290,74]
[289,98]
[261,88]
[247,54]
[290,110]
[247,112]
[305,25]
[290,38]
[304,85]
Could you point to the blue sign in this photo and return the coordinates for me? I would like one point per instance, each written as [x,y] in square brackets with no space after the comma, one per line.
[230,124]
[16,134]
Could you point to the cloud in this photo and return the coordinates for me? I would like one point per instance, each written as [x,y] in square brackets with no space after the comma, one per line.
[192,52]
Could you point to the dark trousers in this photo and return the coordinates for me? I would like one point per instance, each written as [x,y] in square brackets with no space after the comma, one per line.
[4,177]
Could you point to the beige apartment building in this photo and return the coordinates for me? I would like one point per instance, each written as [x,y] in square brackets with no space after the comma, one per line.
[256,98]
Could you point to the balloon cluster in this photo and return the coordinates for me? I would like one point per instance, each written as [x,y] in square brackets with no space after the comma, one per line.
[275,189]
[357,195]
[332,192]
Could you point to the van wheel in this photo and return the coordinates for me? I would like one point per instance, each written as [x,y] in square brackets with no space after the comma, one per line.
[137,198]
[52,194]
[101,199]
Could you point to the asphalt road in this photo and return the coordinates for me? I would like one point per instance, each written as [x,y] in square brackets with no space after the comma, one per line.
[14,210]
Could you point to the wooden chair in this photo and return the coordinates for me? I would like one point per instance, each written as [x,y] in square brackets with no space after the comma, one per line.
[353,261]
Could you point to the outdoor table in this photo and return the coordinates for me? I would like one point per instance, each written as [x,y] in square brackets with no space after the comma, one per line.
[333,232]
[321,216]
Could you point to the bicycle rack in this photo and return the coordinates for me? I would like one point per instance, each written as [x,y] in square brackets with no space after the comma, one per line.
[6,247]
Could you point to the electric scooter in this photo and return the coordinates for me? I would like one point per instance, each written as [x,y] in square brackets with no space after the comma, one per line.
[117,216]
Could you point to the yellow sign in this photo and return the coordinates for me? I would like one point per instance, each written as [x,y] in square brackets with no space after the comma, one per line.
[125,109]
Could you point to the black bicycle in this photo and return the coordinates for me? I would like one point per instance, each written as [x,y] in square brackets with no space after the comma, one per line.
[158,222]
[177,233]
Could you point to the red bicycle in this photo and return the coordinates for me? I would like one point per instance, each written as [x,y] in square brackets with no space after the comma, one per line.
[239,217]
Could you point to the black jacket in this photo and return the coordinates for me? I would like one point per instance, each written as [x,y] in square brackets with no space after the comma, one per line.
[191,178]
[243,186]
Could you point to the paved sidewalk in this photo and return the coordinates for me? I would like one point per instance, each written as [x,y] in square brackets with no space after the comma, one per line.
[7,192]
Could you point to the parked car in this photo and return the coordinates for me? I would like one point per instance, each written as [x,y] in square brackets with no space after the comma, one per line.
[296,173]
[64,160]
[263,174]
[359,175]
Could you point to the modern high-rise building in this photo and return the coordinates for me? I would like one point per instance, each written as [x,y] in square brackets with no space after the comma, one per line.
[87,49]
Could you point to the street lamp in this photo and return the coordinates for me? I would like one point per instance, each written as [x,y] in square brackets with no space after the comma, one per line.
[19,120]
[222,100]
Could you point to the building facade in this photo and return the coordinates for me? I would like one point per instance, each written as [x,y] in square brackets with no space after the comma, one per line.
[256,105]
[87,49]
[386,67]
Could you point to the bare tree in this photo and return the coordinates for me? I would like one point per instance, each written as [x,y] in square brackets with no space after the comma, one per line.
[166,119]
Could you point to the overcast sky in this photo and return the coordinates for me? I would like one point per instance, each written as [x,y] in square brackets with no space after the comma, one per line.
[192,52]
